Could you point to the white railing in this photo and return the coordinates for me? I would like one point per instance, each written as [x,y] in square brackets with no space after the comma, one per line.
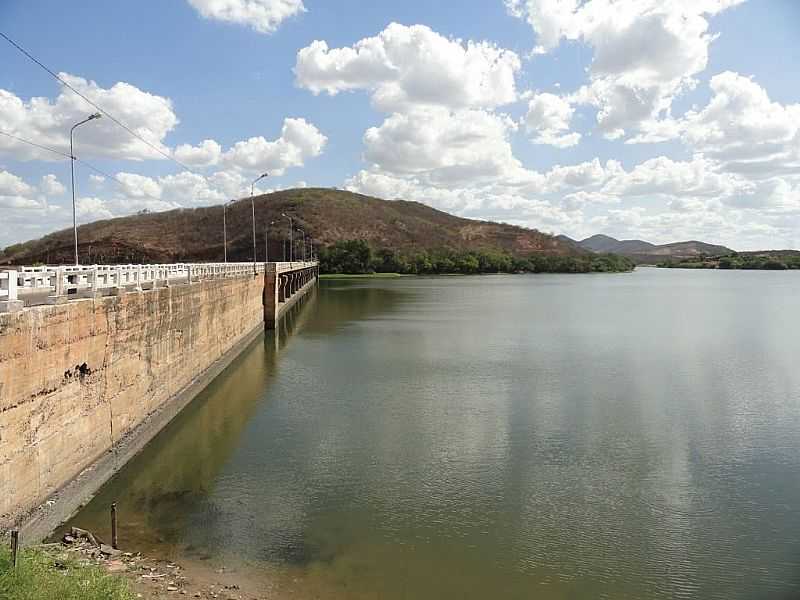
[43,285]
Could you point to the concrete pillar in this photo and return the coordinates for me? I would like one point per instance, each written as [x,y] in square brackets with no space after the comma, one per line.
[12,303]
[272,284]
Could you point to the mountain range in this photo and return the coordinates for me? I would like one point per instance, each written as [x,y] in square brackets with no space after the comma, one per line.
[644,252]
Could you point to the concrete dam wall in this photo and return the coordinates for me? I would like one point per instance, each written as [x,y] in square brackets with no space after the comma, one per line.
[80,379]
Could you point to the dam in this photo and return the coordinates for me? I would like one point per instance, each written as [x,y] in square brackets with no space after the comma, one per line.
[95,360]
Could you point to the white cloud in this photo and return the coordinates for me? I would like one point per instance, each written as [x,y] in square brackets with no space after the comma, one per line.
[662,175]
[646,52]
[48,122]
[206,154]
[548,119]
[746,131]
[438,145]
[12,185]
[91,209]
[299,141]
[51,186]
[411,66]
[264,16]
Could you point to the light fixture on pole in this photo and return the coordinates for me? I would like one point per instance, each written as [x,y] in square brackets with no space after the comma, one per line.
[266,241]
[253,206]
[225,229]
[304,243]
[72,172]
[291,252]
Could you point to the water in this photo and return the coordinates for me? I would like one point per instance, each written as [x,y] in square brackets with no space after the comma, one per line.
[554,437]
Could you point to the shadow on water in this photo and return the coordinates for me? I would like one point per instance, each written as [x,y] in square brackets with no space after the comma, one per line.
[158,491]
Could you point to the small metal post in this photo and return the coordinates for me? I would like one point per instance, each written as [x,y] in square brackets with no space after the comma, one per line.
[114,526]
[14,547]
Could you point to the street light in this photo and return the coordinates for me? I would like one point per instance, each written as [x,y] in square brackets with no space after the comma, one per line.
[266,241]
[304,243]
[72,171]
[291,252]
[253,206]
[225,229]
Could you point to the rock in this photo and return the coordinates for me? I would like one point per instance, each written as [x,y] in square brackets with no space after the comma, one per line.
[68,539]
[82,534]
[109,551]
[172,588]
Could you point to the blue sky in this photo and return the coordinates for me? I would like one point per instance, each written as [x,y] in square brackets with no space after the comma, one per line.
[635,118]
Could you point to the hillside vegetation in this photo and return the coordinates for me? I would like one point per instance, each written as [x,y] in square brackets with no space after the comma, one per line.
[327,215]
[770,260]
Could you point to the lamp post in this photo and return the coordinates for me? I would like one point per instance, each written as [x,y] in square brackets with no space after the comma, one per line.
[253,206]
[225,229]
[291,252]
[72,172]
[304,243]
[266,241]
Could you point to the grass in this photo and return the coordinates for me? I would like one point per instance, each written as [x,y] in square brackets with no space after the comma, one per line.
[41,575]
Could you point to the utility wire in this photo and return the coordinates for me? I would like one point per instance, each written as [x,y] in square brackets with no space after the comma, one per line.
[99,108]
[80,160]
[34,144]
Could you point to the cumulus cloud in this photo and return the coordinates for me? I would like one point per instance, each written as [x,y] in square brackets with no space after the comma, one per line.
[91,209]
[697,177]
[405,66]
[16,194]
[51,186]
[743,129]
[438,145]
[646,52]
[204,155]
[12,185]
[299,141]
[264,16]
[548,119]
[49,122]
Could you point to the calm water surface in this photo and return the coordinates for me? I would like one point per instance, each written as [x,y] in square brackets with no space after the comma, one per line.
[554,437]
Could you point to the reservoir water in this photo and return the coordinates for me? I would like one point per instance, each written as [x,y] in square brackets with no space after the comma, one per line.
[545,436]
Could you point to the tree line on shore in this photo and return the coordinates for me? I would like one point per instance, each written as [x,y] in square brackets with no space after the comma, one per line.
[354,257]
[773,261]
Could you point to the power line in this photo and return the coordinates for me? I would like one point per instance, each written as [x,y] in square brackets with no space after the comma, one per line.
[99,108]
[34,144]
[80,160]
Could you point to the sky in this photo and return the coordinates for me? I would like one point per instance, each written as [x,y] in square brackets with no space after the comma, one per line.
[663,121]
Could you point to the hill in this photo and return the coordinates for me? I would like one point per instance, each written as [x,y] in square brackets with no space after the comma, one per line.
[645,252]
[327,215]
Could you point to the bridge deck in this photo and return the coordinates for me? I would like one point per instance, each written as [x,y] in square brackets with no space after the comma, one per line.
[29,286]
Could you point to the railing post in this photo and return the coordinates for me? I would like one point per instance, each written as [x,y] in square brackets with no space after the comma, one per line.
[12,303]
[59,283]
[12,286]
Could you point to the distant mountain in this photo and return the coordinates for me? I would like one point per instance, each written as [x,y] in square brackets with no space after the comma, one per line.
[605,244]
[327,215]
[645,252]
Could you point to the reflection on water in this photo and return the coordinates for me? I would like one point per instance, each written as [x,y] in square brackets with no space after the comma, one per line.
[631,436]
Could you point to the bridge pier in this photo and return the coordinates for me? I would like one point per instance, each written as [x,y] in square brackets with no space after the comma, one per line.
[284,285]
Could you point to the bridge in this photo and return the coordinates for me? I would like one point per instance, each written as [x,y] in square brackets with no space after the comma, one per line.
[31,286]
[95,360]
